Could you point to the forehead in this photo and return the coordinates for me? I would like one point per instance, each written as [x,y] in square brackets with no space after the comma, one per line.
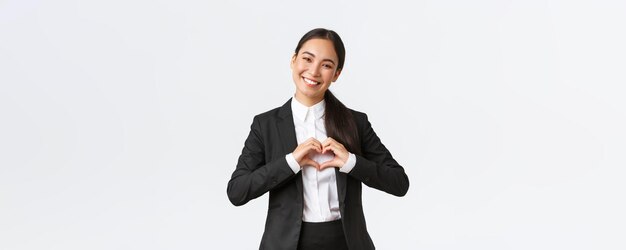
[320,48]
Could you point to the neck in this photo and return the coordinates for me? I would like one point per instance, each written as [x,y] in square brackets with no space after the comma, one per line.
[308,101]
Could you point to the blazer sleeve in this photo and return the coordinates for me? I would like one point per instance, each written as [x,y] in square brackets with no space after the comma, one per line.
[376,167]
[253,176]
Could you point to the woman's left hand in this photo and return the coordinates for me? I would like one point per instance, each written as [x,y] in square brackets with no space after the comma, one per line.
[340,152]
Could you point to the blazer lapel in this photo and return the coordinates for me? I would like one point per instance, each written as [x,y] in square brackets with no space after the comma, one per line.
[288,136]
[341,186]
[286,128]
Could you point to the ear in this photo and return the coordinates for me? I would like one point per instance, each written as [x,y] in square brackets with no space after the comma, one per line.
[337,73]
[293,60]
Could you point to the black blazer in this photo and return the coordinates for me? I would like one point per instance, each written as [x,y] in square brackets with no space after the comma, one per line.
[262,167]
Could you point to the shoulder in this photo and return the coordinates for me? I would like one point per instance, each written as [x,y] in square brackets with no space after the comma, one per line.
[274,114]
[359,117]
[268,115]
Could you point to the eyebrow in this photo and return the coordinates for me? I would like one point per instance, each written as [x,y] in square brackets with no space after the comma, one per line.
[325,59]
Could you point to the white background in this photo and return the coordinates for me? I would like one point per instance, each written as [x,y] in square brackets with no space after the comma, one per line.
[121,121]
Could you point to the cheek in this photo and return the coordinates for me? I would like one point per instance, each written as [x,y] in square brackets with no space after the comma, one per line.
[298,68]
[328,77]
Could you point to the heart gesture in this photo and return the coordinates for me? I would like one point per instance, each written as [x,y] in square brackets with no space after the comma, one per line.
[301,153]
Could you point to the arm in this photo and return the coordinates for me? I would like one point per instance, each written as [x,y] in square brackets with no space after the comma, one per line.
[376,167]
[253,176]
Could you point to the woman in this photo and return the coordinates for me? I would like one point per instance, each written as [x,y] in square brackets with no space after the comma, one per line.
[312,154]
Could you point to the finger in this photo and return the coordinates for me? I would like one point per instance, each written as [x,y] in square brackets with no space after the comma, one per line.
[326,144]
[340,152]
[318,147]
[334,147]
[333,163]
[303,149]
[330,142]
[317,144]
[308,162]
[313,147]
[308,147]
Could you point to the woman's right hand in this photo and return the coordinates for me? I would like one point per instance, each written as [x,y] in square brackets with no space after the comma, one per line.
[301,153]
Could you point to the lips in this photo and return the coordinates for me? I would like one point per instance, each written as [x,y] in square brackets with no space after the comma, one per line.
[310,82]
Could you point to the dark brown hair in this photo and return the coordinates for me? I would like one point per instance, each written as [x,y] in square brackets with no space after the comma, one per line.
[338,118]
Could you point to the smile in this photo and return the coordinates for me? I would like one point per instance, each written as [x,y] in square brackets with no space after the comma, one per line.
[309,81]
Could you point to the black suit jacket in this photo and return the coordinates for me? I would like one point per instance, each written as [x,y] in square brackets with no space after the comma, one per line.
[262,167]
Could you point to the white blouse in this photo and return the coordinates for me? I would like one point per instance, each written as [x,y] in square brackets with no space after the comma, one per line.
[321,202]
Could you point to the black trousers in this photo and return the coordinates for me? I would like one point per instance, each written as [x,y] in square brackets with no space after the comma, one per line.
[322,236]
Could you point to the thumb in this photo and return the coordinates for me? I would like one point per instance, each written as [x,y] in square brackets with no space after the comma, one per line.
[328,164]
[308,161]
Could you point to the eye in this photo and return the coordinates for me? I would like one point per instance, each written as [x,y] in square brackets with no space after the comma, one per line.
[328,66]
[306,59]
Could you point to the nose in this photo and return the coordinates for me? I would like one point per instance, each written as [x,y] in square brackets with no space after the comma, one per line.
[315,70]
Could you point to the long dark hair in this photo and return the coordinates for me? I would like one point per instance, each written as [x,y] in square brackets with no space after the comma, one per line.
[338,118]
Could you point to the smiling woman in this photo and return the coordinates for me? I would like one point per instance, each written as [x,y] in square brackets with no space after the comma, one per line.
[312,156]
[314,69]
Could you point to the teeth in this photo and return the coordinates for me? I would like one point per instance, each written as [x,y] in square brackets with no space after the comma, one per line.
[309,81]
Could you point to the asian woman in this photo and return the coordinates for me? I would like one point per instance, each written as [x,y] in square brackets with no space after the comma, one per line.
[312,156]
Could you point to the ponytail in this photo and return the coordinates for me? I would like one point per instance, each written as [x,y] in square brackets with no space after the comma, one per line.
[340,124]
